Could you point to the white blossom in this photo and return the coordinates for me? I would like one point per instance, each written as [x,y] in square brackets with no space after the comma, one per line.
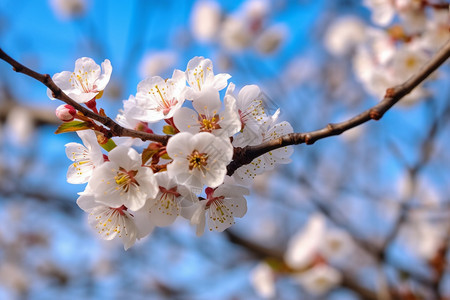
[85,82]
[304,245]
[208,115]
[319,280]
[85,157]
[235,34]
[205,20]
[110,222]
[157,63]
[252,115]
[200,76]
[270,130]
[199,159]
[270,40]
[167,205]
[344,34]
[123,180]
[262,279]
[158,99]
[220,208]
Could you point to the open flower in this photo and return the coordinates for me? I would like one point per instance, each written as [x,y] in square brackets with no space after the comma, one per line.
[167,205]
[252,115]
[109,222]
[200,76]
[269,131]
[123,180]
[85,157]
[199,159]
[220,208]
[85,82]
[158,99]
[208,116]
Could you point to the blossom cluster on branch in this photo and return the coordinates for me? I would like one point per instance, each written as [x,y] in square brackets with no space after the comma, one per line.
[137,185]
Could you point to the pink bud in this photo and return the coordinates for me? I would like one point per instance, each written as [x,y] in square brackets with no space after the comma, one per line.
[66,112]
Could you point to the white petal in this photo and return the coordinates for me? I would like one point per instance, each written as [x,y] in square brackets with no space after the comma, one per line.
[104,78]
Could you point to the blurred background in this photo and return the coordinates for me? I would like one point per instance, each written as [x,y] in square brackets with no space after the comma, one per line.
[372,204]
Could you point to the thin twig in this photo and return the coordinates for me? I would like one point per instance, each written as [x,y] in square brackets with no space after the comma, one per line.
[243,156]
[114,128]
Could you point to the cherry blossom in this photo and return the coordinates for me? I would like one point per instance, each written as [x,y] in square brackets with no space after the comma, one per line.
[109,222]
[263,280]
[85,157]
[166,206]
[220,208]
[198,159]
[158,99]
[200,76]
[208,116]
[252,115]
[267,161]
[304,245]
[318,280]
[86,82]
[123,180]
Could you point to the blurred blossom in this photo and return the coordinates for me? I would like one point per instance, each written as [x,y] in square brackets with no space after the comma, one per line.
[303,246]
[66,9]
[15,277]
[19,126]
[235,35]
[379,64]
[319,280]
[205,20]
[436,31]
[271,39]
[300,70]
[263,280]
[422,237]
[344,34]
[157,63]
[336,245]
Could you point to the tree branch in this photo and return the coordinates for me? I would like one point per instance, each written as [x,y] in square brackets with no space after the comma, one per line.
[243,156]
[114,128]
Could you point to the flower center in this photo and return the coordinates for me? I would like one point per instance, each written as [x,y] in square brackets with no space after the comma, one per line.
[411,62]
[197,160]
[80,80]
[172,191]
[125,179]
[208,124]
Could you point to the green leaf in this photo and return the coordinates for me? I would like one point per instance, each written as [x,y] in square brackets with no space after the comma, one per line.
[168,129]
[72,126]
[166,156]
[109,145]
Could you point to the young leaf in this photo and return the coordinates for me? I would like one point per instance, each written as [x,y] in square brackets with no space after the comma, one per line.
[72,126]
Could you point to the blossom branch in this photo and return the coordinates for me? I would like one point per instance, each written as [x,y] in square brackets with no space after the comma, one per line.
[114,128]
[243,156]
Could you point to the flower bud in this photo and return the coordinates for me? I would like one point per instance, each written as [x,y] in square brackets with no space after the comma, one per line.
[66,112]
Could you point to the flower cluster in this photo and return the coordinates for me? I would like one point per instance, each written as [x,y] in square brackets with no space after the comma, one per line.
[138,185]
[387,56]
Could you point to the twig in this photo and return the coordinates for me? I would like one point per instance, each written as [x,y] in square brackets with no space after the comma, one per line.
[114,128]
[243,156]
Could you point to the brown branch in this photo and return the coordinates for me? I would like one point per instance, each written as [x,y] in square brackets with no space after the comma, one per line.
[243,156]
[114,128]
